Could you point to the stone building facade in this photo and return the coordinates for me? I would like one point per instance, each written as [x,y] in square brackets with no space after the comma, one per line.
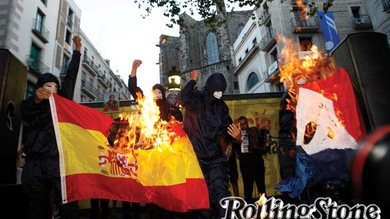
[200,48]
[257,50]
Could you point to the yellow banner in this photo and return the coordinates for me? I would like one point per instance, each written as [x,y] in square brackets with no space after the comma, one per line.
[262,113]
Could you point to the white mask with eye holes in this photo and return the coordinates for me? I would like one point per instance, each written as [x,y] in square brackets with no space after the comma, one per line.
[218,94]
[51,86]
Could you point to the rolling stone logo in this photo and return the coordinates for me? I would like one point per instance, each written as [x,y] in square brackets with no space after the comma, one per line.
[269,208]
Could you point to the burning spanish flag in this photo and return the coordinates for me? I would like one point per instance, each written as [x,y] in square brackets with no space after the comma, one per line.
[91,168]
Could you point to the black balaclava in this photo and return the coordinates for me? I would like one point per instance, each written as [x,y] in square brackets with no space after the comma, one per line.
[161,88]
[215,82]
[162,103]
[47,77]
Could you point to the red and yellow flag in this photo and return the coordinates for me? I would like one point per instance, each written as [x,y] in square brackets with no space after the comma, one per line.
[90,168]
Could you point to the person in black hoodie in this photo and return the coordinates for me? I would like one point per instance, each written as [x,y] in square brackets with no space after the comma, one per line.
[167,110]
[41,173]
[206,121]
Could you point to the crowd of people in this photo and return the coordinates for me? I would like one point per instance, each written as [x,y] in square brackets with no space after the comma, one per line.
[206,121]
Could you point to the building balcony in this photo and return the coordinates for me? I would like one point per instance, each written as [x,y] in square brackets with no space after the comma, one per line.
[40,31]
[35,65]
[386,5]
[363,22]
[90,66]
[300,24]
[247,58]
[103,81]
[268,41]
[264,17]
[88,88]
[273,73]
[117,79]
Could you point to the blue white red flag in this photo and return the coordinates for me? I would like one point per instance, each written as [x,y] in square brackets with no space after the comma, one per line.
[329,127]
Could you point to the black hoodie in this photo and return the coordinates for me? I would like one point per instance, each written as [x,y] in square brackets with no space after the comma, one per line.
[206,117]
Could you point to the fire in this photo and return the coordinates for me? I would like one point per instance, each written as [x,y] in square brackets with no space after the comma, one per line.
[145,128]
[300,67]
[262,200]
[302,8]
[141,130]
[310,130]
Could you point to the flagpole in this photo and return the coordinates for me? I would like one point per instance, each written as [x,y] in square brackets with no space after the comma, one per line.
[53,110]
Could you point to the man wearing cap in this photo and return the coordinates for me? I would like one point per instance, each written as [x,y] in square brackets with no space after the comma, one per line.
[41,174]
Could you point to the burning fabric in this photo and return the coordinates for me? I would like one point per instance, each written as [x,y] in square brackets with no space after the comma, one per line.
[328,126]
[143,159]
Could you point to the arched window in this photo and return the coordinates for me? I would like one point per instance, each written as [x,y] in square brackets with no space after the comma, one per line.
[252,80]
[212,48]
[239,29]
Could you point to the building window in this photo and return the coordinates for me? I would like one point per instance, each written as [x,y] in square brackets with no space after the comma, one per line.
[239,29]
[236,85]
[30,89]
[68,37]
[274,55]
[305,43]
[300,17]
[355,11]
[69,20]
[386,5]
[65,62]
[212,49]
[39,21]
[35,57]
[252,80]
[44,2]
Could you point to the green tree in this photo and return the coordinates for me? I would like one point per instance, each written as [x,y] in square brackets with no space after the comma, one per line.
[213,12]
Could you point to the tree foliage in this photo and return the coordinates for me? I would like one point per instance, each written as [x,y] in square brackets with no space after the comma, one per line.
[210,10]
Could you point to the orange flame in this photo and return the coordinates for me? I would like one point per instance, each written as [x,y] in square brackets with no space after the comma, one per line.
[145,128]
[262,200]
[302,8]
[300,67]
[141,130]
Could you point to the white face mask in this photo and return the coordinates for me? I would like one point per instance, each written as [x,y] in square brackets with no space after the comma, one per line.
[218,94]
[51,86]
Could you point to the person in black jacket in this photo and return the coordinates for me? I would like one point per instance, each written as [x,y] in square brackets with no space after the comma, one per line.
[251,161]
[167,110]
[206,121]
[41,173]
[287,135]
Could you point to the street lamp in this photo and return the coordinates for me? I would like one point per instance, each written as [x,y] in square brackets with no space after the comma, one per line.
[174,79]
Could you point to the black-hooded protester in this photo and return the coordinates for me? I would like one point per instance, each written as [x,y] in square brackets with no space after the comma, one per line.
[207,120]
[41,172]
[167,110]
